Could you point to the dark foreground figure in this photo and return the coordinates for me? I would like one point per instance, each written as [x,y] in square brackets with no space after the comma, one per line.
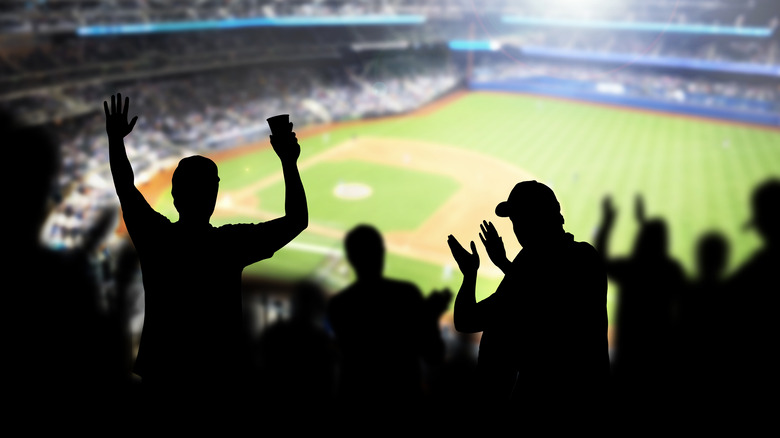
[544,330]
[387,334]
[193,343]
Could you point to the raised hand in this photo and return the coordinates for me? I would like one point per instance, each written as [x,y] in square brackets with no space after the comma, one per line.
[468,262]
[117,126]
[286,146]
[494,245]
[639,209]
[608,210]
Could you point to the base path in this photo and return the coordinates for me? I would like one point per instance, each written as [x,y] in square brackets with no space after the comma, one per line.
[484,182]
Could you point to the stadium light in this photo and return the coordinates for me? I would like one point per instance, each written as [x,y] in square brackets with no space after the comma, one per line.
[484,45]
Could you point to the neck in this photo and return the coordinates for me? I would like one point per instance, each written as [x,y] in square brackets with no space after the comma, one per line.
[193,221]
[368,278]
[544,238]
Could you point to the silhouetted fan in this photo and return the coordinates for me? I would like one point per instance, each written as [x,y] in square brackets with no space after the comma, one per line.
[384,328]
[193,335]
[752,301]
[60,347]
[702,324]
[651,285]
[544,330]
[298,362]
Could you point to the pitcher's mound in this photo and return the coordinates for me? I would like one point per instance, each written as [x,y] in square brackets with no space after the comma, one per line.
[352,191]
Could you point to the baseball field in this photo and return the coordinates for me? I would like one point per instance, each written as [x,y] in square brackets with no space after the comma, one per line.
[440,171]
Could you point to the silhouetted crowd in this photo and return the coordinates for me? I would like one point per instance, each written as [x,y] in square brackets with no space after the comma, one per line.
[680,344]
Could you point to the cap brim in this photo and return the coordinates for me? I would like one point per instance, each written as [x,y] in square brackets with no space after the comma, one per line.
[502,209]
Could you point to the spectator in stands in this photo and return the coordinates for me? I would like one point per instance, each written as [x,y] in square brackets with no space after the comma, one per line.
[297,356]
[703,321]
[544,330]
[59,348]
[193,336]
[753,302]
[651,284]
[384,329]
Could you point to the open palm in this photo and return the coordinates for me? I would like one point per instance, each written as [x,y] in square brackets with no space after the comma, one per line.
[117,125]
[468,262]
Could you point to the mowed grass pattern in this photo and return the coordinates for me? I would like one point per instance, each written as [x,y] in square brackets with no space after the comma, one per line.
[697,174]
[400,199]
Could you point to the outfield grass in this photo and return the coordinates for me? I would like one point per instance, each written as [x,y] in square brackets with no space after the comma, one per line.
[697,174]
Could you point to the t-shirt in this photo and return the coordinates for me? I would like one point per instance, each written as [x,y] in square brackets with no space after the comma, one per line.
[383,333]
[193,323]
[547,321]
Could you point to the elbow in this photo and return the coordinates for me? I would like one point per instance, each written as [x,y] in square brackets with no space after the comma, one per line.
[301,223]
[296,226]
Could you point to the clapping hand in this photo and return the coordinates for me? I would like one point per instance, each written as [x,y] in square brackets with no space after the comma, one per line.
[117,126]
[494,245]
[468,262]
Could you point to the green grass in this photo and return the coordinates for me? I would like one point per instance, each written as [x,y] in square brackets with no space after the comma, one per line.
[396,202]
[697,174]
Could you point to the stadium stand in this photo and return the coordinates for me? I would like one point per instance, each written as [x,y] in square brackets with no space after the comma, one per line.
[207,73]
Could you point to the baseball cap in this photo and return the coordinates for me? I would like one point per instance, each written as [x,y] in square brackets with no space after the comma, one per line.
[529,196]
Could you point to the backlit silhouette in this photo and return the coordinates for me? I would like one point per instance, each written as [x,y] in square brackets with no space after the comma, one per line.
[193,336]
[753,301]
[544,330]
[384,328]
[651,284]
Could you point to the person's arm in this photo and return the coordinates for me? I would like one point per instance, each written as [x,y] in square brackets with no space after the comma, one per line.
[616,268]
[281,231]
[117,128]
[466,315]
[605,229]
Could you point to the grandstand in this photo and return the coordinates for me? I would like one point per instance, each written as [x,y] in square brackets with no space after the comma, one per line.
[205,74]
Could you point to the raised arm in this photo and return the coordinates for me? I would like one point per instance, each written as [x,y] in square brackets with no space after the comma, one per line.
[296,212]
[466,315]
[605,228]
[117,128]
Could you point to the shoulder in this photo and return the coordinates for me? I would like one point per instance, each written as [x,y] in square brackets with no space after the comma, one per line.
[340,299]
[584,248]
[585,252]
[403,286]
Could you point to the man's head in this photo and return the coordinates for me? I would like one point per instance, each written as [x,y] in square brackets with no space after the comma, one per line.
[195,184]
[534,211]
[365,251]
[712,254]
[652,240]
[765,206]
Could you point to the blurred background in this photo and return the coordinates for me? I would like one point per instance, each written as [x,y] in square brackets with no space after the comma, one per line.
[676,100]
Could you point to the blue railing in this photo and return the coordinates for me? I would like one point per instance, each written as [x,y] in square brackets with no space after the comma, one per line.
[236,23]
[718,107]
[701,29]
